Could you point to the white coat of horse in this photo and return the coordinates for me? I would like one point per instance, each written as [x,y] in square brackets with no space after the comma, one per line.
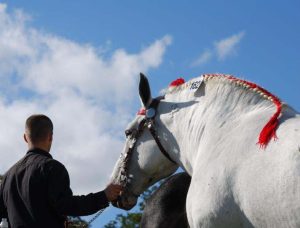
[210,127]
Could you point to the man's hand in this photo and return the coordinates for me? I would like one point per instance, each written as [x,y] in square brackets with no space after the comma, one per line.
[112,192]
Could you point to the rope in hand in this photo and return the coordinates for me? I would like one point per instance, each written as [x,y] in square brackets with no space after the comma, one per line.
[95,217]
[91,220]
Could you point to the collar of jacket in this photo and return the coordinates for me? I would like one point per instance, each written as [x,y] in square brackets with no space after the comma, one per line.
[39,151]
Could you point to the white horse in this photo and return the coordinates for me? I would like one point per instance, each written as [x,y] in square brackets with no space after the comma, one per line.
[210,127]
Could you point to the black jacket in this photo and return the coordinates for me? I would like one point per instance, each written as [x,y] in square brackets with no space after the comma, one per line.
[36,193]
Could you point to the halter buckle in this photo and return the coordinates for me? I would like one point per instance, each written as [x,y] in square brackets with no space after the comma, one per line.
[150,113]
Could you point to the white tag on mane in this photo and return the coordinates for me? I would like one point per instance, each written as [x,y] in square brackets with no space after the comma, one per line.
[195,84]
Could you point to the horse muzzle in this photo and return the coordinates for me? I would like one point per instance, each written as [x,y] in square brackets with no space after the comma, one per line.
[125,201]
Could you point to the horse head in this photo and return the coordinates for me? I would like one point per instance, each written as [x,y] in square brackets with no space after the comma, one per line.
[144,159]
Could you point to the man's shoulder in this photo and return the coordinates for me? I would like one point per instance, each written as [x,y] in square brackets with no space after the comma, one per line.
[12,169]
[55,165]
[54,162]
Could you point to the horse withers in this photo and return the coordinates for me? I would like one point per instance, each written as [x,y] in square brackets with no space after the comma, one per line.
[166,206]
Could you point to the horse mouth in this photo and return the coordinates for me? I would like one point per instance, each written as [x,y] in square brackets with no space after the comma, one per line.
[125,202]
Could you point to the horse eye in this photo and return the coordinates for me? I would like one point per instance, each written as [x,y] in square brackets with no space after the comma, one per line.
[128,132]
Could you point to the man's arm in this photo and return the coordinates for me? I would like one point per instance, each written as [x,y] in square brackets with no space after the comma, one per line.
[3,210]
[61,198]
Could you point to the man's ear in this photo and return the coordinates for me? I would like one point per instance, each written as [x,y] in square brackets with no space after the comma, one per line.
[25,138]
[51,137]
[144,90]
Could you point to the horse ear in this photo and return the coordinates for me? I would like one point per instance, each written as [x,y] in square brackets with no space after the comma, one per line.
[144,90]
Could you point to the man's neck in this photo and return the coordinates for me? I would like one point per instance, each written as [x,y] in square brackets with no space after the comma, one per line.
[42,147]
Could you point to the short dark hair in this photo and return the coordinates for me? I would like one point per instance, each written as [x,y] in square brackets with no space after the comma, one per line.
[38,127]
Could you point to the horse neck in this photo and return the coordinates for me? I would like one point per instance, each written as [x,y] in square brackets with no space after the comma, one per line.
[220,106]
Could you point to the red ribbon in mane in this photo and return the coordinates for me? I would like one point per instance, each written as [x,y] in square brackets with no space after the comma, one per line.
[177,82]
[269,130]
[142,112]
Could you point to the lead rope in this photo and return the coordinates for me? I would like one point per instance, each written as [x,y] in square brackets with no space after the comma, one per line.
[89,222]
[94,218]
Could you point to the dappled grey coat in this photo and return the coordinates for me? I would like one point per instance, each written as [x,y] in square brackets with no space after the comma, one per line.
[166,206]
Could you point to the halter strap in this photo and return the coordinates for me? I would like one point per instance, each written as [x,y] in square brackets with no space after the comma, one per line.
[150,125]
[156,138]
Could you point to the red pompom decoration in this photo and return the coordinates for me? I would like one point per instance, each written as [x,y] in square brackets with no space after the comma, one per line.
[141,112]
[177,82]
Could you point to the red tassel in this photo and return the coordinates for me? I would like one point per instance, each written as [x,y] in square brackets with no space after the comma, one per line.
[269,130]
[177,82]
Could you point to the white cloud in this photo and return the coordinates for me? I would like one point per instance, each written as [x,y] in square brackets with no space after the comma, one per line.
[222,50]
[88,96]
[203,58]
[227,46]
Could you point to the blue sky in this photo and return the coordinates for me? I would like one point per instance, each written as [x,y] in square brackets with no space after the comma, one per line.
[255,40]
[267,53]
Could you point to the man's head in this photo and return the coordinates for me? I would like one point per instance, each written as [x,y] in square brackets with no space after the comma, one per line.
[38,132]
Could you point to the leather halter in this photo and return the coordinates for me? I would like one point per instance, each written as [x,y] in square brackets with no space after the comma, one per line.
[150,124]
[147,123]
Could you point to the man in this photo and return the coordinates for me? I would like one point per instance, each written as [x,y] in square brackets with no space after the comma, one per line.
[36,193]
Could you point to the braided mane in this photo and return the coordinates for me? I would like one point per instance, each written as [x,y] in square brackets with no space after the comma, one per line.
[269,130]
